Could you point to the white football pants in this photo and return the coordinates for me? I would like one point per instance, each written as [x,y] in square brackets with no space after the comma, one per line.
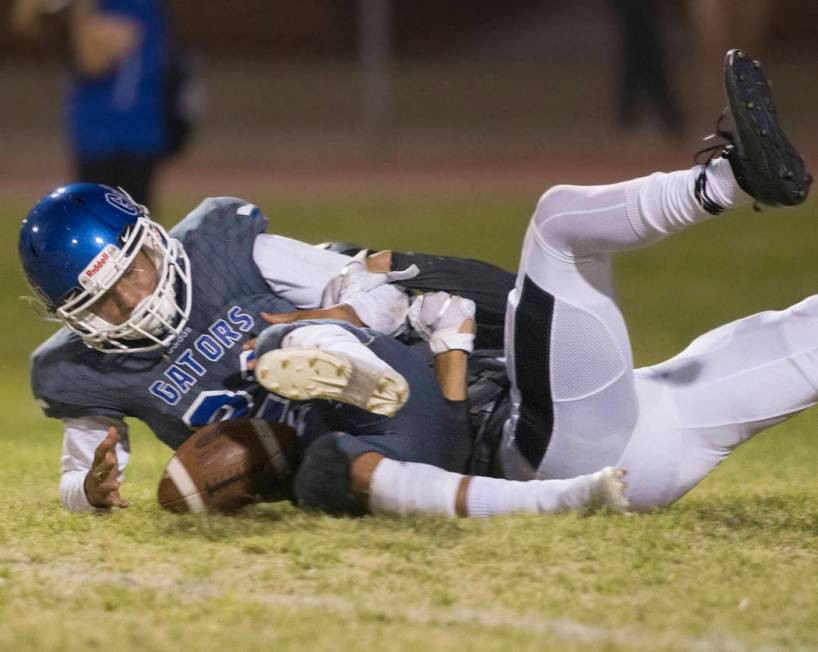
[570,358]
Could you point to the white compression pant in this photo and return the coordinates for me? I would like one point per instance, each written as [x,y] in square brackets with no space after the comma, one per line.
[570,359]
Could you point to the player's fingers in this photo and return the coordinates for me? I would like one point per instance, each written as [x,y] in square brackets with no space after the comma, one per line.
[108,489]
[104,469]
[117,500]
[113,435]
[250,344]
[280,317]
[113,471]
[107,444]
[102,450]
[103,465]
[104,480]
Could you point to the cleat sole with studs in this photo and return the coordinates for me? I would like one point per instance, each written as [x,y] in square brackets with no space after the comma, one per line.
[313,374]
[769,167]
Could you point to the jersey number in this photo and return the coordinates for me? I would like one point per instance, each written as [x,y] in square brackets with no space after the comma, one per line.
[220,405]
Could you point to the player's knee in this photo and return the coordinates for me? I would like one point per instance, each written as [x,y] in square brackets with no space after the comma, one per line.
[323,481]
[556,200]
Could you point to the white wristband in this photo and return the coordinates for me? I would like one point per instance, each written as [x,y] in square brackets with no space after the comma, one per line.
[442,342]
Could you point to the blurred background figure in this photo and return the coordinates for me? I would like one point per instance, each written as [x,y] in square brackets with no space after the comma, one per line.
[644,76]
[349,97]
[122,114]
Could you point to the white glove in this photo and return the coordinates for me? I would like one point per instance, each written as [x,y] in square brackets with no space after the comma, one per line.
[437,318]
[383,309]
[356,278]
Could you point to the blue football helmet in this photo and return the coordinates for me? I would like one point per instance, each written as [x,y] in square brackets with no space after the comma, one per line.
[75,245]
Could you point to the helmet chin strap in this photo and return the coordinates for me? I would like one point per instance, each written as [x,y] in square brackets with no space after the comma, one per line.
[146,318]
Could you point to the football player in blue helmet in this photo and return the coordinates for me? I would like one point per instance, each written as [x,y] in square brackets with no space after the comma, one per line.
[141,340]
[79,242]
[122,285]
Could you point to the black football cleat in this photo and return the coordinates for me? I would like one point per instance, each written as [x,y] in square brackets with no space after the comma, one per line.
[764,162]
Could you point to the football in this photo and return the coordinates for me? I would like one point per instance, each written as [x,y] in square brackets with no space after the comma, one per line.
[230,464]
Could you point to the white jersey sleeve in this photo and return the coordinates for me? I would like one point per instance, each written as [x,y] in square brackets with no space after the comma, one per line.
[81,436]
[295,270]
[299,272]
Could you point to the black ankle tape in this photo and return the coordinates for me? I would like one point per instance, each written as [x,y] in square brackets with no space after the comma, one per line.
[700,192]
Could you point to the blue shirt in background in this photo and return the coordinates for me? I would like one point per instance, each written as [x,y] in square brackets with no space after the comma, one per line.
[123,111]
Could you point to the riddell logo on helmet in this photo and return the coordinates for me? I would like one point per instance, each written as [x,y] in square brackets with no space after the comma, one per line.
[97,264]
[95,272]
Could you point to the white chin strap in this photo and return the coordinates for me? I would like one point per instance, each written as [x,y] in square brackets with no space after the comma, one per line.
[150,319]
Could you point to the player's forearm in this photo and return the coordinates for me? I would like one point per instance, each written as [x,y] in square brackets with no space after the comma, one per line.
[450,369]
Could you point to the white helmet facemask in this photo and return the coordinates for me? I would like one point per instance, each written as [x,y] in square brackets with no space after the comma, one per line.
[158,318]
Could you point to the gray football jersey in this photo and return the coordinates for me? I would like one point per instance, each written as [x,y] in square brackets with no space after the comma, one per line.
[201,377]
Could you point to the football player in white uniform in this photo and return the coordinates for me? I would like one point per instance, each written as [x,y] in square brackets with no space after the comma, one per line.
[577,402]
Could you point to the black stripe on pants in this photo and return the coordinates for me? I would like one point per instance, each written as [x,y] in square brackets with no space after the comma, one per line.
[532,357]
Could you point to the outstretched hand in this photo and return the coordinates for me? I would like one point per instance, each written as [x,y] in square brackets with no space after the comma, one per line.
[102,481]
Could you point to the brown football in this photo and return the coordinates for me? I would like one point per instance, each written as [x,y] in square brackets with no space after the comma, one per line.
[229,464]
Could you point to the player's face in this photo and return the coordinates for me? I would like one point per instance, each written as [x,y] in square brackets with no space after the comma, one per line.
[138,281]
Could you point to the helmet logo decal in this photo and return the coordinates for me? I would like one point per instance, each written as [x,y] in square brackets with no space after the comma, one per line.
[92,275]
[97,265]
[123,203]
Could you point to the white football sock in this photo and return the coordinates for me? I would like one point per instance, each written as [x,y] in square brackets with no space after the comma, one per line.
[495,496]
[412,488]
[722,185]
[664,203]
[580,221]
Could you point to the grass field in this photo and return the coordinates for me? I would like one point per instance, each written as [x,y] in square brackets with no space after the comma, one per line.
[733,566]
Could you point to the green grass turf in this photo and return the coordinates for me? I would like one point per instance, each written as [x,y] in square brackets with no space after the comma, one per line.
[733,566]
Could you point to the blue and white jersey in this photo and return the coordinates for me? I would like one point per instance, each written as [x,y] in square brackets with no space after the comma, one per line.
[237,272]
[202,376]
